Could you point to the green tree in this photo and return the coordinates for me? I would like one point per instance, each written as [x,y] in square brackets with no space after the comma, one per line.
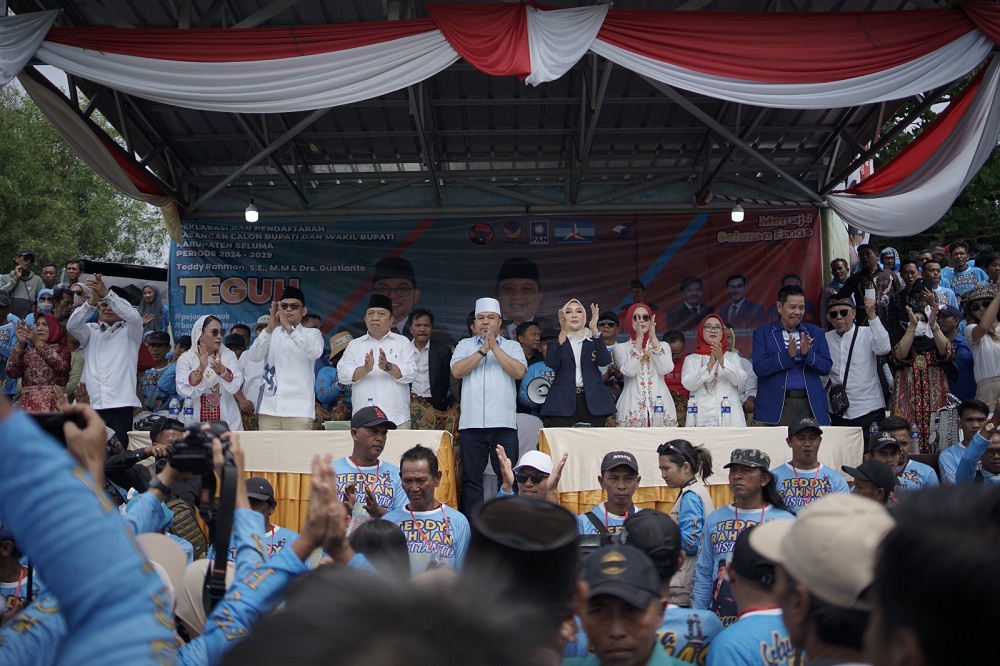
[53,203]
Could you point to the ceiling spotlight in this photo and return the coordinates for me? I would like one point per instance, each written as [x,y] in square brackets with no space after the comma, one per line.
[252,214]
[736,215]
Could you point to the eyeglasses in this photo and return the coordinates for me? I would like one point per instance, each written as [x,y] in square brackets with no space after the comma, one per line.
[839,314]
[536,477]
[290,306]
[640,317]
[713,329]
[214,331]
[399,291]
[607,322]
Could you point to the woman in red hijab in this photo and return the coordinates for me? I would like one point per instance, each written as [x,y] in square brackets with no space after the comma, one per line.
[643,360]
[712,373]
[43,368]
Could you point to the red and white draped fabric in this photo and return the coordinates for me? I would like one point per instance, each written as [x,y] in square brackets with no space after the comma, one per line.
[803,60]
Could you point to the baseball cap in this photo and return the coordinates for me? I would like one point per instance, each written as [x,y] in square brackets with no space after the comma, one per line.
[369,417]
[548,333]
[184,340]
[608,315]
[654,533]
[830,548]
[263,320]
[536,460]
[799,425]
[874,471]
[749,458]
[749,563]
[616,458]
[259,488]
[235,340]
[24,252]
[158,338]
[881,440]
[624,572]
[950,311]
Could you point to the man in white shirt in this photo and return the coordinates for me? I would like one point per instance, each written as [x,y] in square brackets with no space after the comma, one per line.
[380,365]
[432,374]
[289,351]
[249,395]
[864,392]
[110,348]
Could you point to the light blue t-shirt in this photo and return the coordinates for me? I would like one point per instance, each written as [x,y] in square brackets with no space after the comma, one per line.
[969,465]
[488,392]
[916,475]
[441,535]
[383,479]
[801,487]
[759,638]
[945,296]
[686,633]
[691,520]
[274,541]
[612,522]
[965,281]
[147,387]
[948,462]
[710,590]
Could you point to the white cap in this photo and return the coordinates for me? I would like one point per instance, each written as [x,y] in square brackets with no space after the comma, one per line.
[536,460]
[487,305]
[263,320]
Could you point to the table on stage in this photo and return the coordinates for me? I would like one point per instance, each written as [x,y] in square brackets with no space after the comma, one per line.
[285,459]
[579,490]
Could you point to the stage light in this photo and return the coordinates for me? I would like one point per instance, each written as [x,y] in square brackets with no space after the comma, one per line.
[736,215]
[252,215]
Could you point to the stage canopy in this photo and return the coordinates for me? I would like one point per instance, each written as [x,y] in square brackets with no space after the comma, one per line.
[406,108]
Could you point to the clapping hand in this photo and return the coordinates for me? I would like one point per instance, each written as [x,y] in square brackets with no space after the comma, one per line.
[793,345]
[383,362]
[805,343]
[203,358]
[506,470]
[595,314]
[216,362]
[552,494]
[654,342]
[370,360]
[272,317]
[21,332]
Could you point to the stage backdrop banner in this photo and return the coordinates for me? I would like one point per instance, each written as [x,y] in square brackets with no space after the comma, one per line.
[234,270]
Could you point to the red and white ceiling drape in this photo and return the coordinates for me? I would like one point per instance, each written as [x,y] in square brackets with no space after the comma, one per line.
[793,60]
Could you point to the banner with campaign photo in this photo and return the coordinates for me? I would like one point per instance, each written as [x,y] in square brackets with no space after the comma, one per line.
[533,265]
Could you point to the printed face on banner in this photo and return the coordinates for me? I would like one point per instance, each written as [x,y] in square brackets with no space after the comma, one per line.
[234,271]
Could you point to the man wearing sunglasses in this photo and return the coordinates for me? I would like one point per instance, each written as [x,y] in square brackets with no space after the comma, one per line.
[289,351]
[532,474]
[864,393]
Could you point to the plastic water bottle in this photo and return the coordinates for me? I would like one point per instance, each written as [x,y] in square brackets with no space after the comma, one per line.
[658,418]
[914,438]
[173,408]
[692,417]
[727,413]
[188,412]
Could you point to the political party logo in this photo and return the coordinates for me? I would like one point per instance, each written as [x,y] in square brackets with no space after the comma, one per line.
[539,232]
[574,233]
[481,234]
[513,230]
[620,231]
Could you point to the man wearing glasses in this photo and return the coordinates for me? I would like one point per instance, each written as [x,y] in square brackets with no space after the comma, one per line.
[289,351]
[863,389]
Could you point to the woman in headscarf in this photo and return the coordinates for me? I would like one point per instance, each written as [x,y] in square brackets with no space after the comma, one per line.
[643,360]
[43,368]
[209,374]
[155,316]
[713,373]
[920,355]
[578,393]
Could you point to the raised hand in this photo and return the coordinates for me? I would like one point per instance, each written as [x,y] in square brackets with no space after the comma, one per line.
[350,497]
[272,320]
[203,358]
[870,308]
[370,360]
[654,342]
[552,494]
[383,362]
[216,363]
[506,470]
[595,314]
[932,317]
[96,283]
[805,343]
[912,317]
[21,332]
[793,345]
[372,505]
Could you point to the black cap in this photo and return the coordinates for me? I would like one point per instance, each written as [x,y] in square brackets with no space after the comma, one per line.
[119,291]
[749,458]
[158,338]
[624,572]
[637,284]
[380,301]
[235,340]
[25,252]
[799,425]
[876,472]
[518,267]
[748,563]
[656,534]
[548,333]
[881,440]
[608,314]
[616,458]
[293,292]
[184,340]
[394,268]
[259,488]
[369,417]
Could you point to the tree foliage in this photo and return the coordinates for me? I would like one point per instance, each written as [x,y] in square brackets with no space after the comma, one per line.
[973,215]
[53,203]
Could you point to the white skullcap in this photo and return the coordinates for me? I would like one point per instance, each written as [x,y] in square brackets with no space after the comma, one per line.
[487,305]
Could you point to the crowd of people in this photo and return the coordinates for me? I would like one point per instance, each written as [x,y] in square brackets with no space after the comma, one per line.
[800,567]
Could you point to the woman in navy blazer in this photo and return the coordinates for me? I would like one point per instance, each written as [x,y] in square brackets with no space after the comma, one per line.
[577,396]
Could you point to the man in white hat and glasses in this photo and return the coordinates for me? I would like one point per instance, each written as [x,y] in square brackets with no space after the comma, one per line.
[488,366]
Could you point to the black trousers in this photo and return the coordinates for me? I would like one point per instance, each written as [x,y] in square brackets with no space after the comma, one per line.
[864,422]
[478,445]
[582,415]
[118,419]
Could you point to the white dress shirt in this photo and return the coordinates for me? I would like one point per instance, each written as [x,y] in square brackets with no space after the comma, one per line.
[422,374]
[387,392]
[863,388]
[985,355]
[289,375]
[110,353]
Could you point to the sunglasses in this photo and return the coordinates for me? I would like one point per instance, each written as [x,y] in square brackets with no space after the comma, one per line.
[839,314]
[640,317]
[536,477]
[607,322]
[290,306]
[214,331]
[976,307]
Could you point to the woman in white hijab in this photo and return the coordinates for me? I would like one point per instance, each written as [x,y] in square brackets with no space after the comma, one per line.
[209,374]
[578,393]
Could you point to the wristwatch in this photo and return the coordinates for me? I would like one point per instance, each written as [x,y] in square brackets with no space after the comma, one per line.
[481,352]
[156,484]
[388,366]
